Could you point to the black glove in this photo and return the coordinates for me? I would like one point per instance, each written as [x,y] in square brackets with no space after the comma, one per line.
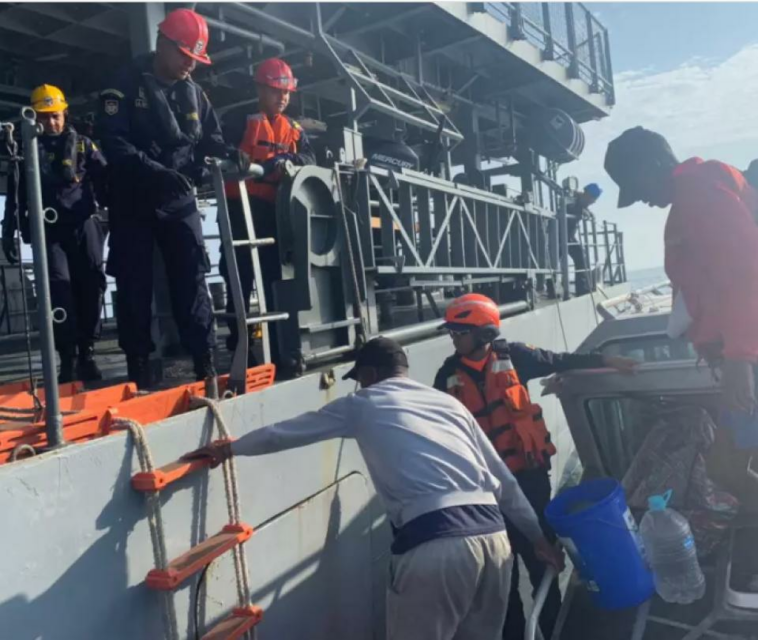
[10,248]
[240,160]
[272,166]
[174,184]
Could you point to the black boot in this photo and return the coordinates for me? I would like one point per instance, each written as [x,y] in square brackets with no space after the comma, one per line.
[86,367]
[66,372]
[204,366]
[138,371]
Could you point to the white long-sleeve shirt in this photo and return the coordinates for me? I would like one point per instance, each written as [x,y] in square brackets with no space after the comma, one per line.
[423,449]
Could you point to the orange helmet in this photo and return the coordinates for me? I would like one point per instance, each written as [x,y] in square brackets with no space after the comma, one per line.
[189,31]
[276,73]
[472,310]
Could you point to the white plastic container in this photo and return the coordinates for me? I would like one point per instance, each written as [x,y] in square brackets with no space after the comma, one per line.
[671,553]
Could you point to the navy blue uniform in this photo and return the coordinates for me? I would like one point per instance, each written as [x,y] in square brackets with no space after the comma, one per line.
[156,138]
[73,179]
[578,252]
[530,363]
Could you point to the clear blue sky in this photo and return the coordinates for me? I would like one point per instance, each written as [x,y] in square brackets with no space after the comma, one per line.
[662,35]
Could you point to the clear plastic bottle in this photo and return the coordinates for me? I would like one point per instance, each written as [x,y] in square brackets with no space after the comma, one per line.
[671,552]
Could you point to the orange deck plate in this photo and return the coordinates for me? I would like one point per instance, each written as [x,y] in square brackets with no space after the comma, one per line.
[234,627]
[152,407]
[201,555]
[82,426]
[17,394]
[90,414]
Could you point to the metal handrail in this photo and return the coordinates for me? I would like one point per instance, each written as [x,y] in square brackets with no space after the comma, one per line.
[545,37]
[533,631]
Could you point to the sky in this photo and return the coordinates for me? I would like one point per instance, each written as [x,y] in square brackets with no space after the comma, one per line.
[688,71]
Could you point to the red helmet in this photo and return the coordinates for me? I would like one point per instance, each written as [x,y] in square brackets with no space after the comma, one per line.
[189,31]
[276,73]
[472,310]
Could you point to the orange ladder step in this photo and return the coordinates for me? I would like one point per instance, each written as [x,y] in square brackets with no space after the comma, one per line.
[236,625]
[198,557]
[164,476]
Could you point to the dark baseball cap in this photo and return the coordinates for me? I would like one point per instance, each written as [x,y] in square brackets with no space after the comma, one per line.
[629,151]
[379,352]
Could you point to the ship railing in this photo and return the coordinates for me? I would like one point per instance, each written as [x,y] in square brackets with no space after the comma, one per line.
[603,245]
[430,226]
[566,32]
[478,235]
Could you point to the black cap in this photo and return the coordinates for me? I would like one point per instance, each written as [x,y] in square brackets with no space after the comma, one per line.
[633,148]
[379,352]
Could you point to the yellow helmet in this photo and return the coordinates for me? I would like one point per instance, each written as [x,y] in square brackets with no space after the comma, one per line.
[48,99]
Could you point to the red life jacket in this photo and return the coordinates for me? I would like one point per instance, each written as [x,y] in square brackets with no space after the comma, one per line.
[504,411]
[263,140]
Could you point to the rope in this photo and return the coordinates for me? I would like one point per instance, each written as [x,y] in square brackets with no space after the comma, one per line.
[554,273]
[154,519]
[231,488]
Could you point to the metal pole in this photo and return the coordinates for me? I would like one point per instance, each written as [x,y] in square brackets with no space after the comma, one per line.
[563,244]
[608,261]
[225,27]
[532,629]
[53,418]
[411,333]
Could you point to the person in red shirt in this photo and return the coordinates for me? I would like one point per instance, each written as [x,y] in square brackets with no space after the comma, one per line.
[270,139]
[711,249]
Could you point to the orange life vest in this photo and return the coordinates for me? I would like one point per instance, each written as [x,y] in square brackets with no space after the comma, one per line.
[504,411]
[263,140]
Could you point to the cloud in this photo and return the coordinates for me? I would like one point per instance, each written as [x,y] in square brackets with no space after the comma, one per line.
[704,108]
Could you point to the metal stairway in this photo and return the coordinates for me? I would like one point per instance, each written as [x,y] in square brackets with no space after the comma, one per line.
[238,370]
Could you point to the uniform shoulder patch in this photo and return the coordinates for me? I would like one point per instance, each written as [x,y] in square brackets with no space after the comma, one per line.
[110,107]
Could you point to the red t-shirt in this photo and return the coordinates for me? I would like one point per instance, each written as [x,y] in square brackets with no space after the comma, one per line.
[711,241]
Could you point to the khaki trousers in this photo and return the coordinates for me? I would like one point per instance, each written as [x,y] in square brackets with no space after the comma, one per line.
[450,589]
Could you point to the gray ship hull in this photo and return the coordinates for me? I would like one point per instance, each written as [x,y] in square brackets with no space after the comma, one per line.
[78,546]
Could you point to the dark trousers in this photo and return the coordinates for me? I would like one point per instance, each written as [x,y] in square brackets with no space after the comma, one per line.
[77,282]
[581,275]
[180,242]
[264,221]
[535,483]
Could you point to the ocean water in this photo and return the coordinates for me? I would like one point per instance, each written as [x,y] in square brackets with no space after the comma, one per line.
[646,277]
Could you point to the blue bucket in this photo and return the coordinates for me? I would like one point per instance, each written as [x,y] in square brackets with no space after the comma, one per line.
[600,534]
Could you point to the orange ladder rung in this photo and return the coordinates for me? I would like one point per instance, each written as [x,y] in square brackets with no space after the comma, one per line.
[236,625]
[164,476]
[198,557]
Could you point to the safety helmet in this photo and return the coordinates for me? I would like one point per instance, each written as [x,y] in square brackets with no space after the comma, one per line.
[189,31]
[594,190]
[476,312]
[48,99]
[277,74]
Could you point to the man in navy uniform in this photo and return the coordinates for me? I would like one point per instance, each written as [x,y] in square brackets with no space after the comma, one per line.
[73,184]
[157,127]
[578,210]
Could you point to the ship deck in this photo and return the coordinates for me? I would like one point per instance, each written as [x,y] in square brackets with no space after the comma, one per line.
[176,366]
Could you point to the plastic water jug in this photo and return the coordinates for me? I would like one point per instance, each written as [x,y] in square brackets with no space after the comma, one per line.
[671,552]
